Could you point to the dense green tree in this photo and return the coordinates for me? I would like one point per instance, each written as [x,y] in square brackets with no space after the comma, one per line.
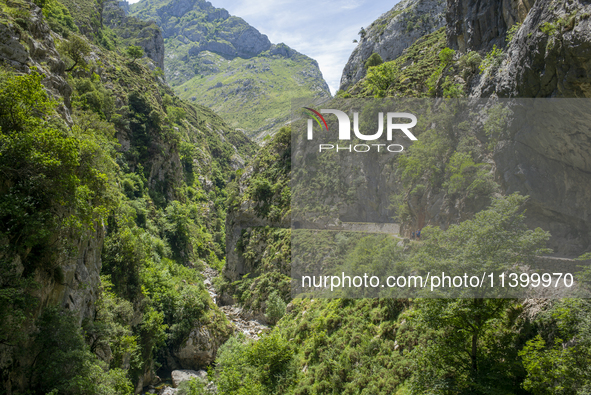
[558,359]
[134,52]
[76,49]
[472,350]
[374,60]
[275,307]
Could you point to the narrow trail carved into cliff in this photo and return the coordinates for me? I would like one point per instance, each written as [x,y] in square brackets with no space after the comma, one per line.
[252,329]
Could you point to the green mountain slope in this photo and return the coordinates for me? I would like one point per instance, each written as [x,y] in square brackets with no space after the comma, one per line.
[112,200]
[431,346]
[220,61]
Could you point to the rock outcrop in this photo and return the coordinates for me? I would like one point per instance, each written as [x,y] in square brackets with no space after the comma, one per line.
[392,33]
[547,54]
[144,34]
[476,25]
[550,56]
[75,286]
[22,49]
[178,376]
[233,36]
[200,348]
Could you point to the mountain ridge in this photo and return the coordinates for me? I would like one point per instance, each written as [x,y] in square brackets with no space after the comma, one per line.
[220,61]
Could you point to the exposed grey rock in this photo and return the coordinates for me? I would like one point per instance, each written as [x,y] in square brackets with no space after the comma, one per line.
[178,376]
[201,40]
[478,25]
[392,33]
[40,52]
[233,36]
[147,34]
[552,168]
[556,64]
[10,48]
[200,348]
[169,391]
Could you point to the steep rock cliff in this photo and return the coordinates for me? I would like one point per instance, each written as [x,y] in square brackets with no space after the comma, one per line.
[135,32]
[549,56]
[163,154]
[258,249]
[542,50]
[476,26]
[392,33]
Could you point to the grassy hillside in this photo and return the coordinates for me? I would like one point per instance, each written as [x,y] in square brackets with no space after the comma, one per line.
[221,62]
[252,94]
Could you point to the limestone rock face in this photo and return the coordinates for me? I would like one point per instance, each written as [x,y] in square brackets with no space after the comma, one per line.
[392,33]
[554,63]
[146,35]
[200,348]
[40,52]
[552,168]
[233,36]
[478,25]
[220,61]
[75,286]
[549,56]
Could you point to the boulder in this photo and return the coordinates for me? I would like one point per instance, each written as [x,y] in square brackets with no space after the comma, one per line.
[178,376]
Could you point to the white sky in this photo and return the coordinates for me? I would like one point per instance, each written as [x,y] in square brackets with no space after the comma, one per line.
[321,29]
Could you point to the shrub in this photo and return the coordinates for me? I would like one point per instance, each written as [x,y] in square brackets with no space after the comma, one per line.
[58,17]
[470,63]
[134,52]
[194,386]
[374,60]
[76,49]
[512,31]
[492,61]
[275,308]
[446,55]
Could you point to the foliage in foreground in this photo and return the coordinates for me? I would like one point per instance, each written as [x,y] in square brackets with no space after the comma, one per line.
[436,346]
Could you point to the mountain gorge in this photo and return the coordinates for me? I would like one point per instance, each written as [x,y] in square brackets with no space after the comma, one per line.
[141,234]
[220,61]
[112,200]
[449,181]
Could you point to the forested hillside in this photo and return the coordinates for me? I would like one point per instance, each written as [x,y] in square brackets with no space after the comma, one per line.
[112,201]
[140,233]
[474,191]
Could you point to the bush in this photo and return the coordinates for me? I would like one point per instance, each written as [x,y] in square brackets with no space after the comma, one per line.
[512,31]
[470,63]
[275,308]
[58,17]
[374,60]
[492,61]
[76,49]
[194,386]
[261,366]
[446,55]
[134,52]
